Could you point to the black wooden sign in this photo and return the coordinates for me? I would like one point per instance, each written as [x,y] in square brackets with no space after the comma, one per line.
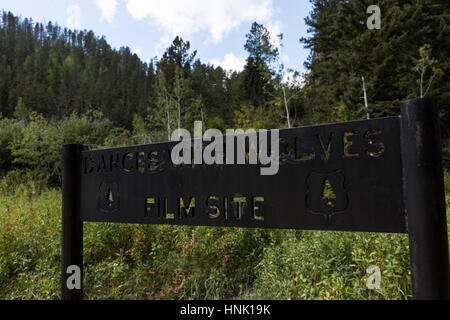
[354,176]
[358,161]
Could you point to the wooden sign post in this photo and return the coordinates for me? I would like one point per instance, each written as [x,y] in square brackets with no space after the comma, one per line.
[385,175]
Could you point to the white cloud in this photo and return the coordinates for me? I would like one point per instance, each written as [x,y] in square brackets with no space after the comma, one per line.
[74,18]
[164,42]
[275,30]
[185,18]
[230,63]
[108,8]
[136,50]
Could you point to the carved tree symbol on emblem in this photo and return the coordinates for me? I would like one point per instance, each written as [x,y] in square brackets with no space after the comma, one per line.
[108,199]
[326,193]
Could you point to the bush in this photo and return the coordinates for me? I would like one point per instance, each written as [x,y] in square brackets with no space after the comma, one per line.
[90,130]
[9,130]
[31,151]
[37,150]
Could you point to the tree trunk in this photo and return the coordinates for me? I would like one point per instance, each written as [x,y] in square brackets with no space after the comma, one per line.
[286,106]
[168,119]
[366,103]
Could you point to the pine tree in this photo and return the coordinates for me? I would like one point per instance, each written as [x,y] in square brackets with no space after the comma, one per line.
[162,117]
[343,50]
[258,69]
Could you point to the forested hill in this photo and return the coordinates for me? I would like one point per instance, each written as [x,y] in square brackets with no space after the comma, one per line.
[56,71]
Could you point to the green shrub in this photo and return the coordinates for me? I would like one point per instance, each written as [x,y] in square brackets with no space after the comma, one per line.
[31,150]
[9,130]
[90,130]
[37,151]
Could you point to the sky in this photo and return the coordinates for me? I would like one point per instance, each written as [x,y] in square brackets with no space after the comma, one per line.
[215,28]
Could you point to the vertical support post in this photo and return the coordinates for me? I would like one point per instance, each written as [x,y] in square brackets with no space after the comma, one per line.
[424,199]
[72,226]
